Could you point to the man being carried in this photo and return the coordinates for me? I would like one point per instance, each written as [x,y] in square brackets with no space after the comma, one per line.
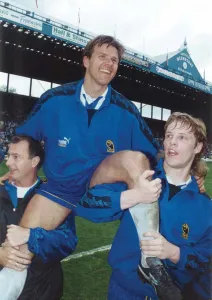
[84,134]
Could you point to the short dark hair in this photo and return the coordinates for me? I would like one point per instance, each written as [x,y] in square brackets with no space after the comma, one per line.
[35,147]
[101,40]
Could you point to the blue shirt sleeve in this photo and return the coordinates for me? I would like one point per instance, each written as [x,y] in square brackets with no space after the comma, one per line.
[202,284]
[195,262]
[35,122]
[101,203]
[54,245]
[196,257]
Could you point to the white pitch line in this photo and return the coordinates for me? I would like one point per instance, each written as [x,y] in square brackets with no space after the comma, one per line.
[86,253]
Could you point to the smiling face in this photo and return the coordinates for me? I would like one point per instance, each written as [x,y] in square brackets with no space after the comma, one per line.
[21,166]
[102,66]
[180,145]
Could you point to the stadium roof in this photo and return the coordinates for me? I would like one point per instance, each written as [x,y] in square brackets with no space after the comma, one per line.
[45,28]
[180,60]
[163,57]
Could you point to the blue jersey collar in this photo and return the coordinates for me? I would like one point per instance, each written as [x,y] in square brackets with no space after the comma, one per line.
[107,98]
[12,191]
[160,173]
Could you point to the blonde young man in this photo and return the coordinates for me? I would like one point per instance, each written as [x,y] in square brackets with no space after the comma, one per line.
[184,240]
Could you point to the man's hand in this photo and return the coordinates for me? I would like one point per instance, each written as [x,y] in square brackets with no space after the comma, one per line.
[14,259]
[148,190]
[158,246]
[200,182]
[144,191]
[17,235]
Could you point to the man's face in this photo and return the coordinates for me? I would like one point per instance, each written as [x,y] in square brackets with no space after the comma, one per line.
[103,64]
[19,163]
[180,146]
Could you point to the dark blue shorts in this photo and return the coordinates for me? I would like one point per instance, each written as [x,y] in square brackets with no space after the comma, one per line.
[67,193]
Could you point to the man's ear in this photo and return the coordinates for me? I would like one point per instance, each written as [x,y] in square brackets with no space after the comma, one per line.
[86,61]
[35,161]
[198,148]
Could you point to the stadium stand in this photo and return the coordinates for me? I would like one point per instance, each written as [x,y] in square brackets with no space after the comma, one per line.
[38,53]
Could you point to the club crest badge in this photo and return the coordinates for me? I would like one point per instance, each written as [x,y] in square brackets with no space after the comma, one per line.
[110,146]
[185,231]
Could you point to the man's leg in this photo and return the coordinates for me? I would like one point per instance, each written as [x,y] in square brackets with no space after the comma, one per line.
[125,166]
[42,212]
[11,283]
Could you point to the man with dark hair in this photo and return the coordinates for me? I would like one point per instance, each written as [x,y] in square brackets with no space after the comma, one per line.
[34,148]
[86,116]
[103,40]
[25,157]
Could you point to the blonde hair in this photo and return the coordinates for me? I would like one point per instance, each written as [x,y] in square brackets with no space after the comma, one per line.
[197,126]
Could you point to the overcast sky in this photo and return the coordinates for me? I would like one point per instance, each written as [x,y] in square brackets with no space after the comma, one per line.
[152,27]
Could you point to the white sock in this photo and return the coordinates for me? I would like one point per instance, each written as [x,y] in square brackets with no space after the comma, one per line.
[11,283]
[146,218]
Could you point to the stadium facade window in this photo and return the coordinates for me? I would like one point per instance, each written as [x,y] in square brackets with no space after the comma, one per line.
[157,113]
[55,85]
[166,114]
[39,87]
[19,85]
[137,104]
[146,110]
[3,81]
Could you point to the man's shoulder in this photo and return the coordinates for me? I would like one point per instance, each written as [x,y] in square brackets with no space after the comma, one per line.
[202,200]
[205,196]
[67,89]
[2,187]
[52,96]
[205,208]
[122,102]
[3,192]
